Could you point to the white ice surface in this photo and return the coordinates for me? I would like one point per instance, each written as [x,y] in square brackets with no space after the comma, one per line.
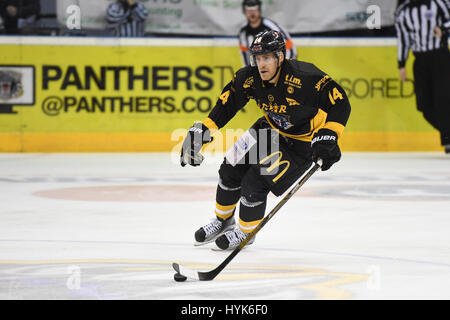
[375,226]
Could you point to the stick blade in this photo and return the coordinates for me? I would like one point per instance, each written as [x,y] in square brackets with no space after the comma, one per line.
[207,276]
[192,274]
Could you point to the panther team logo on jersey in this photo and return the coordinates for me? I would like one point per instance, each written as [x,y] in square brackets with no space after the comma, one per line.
[281,121]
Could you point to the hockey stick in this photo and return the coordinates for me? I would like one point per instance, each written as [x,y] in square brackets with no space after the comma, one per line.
[210,275]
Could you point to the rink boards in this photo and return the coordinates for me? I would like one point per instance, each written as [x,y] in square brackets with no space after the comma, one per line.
[69,94]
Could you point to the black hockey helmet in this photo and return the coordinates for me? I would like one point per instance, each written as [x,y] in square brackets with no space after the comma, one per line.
[251,3]
[269,41]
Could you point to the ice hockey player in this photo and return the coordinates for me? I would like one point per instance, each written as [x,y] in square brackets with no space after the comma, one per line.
[305,112]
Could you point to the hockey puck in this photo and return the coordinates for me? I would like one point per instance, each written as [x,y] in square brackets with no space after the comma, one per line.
[179,277]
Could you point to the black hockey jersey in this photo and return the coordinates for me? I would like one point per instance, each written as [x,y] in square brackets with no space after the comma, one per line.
[303,100]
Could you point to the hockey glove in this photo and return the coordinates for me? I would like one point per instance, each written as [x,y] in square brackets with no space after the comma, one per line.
[324,146]
[197,136]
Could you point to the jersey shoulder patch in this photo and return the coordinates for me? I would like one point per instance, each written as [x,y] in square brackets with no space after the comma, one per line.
[321,82]
[244,77]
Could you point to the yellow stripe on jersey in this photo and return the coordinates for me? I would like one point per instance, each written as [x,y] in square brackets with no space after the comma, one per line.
[224,212]
[210,124]
[248,227]
[334,126]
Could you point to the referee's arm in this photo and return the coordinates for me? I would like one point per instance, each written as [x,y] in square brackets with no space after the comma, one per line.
[444,10]
[402,40]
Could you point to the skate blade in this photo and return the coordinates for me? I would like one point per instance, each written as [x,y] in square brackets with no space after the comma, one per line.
[216,248]
[199,244]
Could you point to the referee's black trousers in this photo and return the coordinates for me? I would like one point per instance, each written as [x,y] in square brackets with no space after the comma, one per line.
[432,87]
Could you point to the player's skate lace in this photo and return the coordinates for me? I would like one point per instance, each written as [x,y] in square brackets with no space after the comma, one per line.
[212,227]
[235,237]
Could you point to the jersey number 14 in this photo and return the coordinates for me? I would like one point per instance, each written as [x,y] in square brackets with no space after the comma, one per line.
[336,95]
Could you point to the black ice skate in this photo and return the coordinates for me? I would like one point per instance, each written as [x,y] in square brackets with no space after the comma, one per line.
[231,239]
[213,230]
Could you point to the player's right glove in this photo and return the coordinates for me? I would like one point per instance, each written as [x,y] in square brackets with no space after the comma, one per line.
[324,146]
[197,136]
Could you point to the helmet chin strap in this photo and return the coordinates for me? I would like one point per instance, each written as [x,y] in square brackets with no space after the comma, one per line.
[275,74]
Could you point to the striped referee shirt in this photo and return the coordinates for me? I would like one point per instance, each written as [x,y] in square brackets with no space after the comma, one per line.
[126,20]
[247,35]
[415,21]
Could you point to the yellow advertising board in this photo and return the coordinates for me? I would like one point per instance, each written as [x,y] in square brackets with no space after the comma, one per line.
[74,95]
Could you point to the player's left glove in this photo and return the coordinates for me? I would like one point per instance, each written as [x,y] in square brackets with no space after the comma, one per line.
[197,136]
[324,146]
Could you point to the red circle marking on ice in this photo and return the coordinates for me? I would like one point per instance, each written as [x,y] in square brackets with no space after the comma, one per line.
[147,193]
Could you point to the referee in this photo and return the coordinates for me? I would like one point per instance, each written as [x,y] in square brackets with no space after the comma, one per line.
[256,24]
[423,26]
